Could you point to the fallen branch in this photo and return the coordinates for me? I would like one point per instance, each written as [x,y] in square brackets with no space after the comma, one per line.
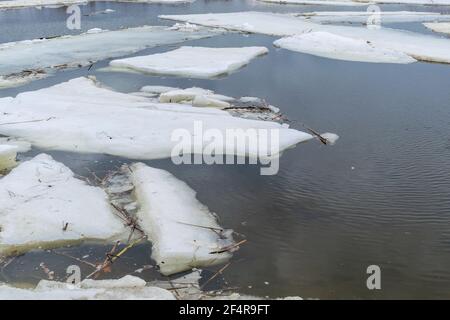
[199,226]
[215,275]
[229,248]
[111,257]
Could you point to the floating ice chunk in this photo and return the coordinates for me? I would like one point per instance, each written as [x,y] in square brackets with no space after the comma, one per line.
[16,4]
[419,46]
[363,16]
[196,62]
[416,2]
[179,95]
[360,2]
[183,232]
[71,117]
[330,137]
[190,95]
[19,64]
[184,27]
[206,101]
[126,288]
[8,155]
[443,27]
[318,2]
[41,196]
[248,21]
[94,13]
[245,107]
[332,46]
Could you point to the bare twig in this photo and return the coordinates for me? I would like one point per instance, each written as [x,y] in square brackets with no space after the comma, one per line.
[216,274]
[75,258]
[111,257]
[199,226]
[230,247]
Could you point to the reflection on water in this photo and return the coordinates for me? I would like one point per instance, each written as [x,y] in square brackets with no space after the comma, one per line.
[381,195]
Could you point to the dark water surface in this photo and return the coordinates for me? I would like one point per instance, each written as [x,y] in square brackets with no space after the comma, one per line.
[380,196]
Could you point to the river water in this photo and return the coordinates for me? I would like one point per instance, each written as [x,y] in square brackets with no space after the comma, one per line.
[380,196]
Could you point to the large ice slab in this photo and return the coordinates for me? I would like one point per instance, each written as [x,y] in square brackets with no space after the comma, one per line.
[184,234]
[318,2]
[195,62]
[442,27]
[248,21]
[17,4]
[126,288]
[328,45]
[361,2]
[364,16]
[419,46]
[19,64]
[44,205]
[244,107]
[414,2]
[80,116]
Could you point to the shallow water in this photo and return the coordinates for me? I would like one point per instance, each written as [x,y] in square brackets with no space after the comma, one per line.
[380,196]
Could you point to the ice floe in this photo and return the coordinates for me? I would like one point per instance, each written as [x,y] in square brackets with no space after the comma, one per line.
[20,65]
[360,2]
[197,96]
[184,234]
[126,288]
[418,46]
[328,45]
[17,4]
[244,107]
[442,27]
[195,62]
[413,2]
[364,16]
[44,205]
[248,21]
[80,116]
[318,2]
